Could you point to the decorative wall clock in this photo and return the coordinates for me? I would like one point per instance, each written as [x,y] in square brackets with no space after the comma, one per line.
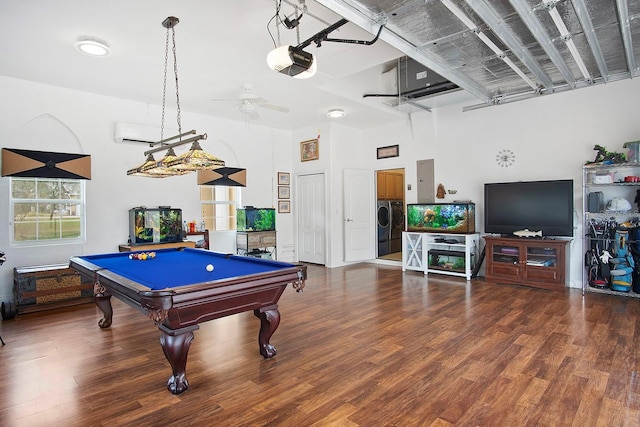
[505,158]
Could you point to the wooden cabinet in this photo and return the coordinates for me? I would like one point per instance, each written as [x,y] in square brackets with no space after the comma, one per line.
[156,246]
[256,243]
[540,263]
[390,185]
[203,244]
[381,185]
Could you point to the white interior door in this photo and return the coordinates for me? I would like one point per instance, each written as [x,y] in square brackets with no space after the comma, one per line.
[311,218]
[359,215]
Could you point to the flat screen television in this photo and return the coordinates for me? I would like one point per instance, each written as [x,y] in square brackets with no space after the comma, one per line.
[535,205]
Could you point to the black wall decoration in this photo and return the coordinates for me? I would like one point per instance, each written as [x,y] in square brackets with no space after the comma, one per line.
[45,164]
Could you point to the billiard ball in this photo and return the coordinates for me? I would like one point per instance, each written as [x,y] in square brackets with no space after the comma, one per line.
[209,267]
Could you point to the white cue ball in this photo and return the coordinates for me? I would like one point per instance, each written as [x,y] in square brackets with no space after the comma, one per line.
[209,267]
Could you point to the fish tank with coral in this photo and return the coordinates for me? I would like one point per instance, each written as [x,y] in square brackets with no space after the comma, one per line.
[442,217]
[256,219]
[155,225]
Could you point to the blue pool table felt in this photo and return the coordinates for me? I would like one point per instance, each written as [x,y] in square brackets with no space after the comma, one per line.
[173,268]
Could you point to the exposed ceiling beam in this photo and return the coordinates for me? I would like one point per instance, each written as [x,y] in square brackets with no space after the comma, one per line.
[486,13]
[527,15]
[589,32]
[625,29]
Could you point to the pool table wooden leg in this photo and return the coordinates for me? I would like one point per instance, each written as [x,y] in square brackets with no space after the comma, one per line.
[175,345]
[103,301]
[269,321]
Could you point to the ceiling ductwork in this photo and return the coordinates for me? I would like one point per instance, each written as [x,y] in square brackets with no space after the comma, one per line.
[408,81]
[416,81]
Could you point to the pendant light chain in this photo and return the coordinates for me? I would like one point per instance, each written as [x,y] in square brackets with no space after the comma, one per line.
[164,84]
[175,72]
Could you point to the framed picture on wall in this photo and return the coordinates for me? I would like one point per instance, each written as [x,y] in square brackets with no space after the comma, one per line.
[390,151]
[284,192]
[284,206]
[284,178]
[309,150]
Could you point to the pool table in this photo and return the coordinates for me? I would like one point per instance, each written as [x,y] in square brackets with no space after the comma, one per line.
[177,292]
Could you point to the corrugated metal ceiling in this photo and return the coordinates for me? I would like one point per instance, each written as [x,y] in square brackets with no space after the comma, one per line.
[506,50]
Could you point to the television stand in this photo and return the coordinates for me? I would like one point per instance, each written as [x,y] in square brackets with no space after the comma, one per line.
[539,263]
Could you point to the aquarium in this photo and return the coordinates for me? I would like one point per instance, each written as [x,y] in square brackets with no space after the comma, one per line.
[447,260]
[442,217]
[155,225]
[256,219]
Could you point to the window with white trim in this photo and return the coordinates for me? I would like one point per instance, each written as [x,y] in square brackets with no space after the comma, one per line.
[218,206]
[47,210]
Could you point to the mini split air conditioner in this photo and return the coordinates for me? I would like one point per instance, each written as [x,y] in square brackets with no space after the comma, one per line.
[130,133]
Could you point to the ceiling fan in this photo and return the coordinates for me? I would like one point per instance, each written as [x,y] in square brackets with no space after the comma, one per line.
[249,103]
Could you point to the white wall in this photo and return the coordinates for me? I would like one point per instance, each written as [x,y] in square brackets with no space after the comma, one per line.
[341,148]
[551,136]
[84,123]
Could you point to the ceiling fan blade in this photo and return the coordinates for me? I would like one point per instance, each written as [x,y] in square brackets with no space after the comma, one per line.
[250,97]
[248,102]
[274,107]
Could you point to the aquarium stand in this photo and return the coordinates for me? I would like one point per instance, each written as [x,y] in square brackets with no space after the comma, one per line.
[256,243]
[452,254]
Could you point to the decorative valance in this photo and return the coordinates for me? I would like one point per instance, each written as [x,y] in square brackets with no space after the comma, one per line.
[231,177]
[45,164]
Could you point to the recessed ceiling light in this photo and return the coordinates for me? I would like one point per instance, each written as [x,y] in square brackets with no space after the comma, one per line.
[335,113]
[92,46]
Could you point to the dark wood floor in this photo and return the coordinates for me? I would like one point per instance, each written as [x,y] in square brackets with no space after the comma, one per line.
[363,345]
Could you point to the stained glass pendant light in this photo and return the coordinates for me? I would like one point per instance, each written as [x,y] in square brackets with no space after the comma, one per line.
[192,160]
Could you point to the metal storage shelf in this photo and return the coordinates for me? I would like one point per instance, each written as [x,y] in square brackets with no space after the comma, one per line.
[616,188]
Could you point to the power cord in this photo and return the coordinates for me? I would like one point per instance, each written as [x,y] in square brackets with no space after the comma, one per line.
[286,22]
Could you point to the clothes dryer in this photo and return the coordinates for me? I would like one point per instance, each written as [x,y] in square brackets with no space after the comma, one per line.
[383,216]
[396,226]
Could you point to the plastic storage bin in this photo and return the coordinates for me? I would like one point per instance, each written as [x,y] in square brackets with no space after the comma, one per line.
[633,151]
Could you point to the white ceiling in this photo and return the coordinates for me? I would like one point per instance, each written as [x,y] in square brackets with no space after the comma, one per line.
[221,45]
